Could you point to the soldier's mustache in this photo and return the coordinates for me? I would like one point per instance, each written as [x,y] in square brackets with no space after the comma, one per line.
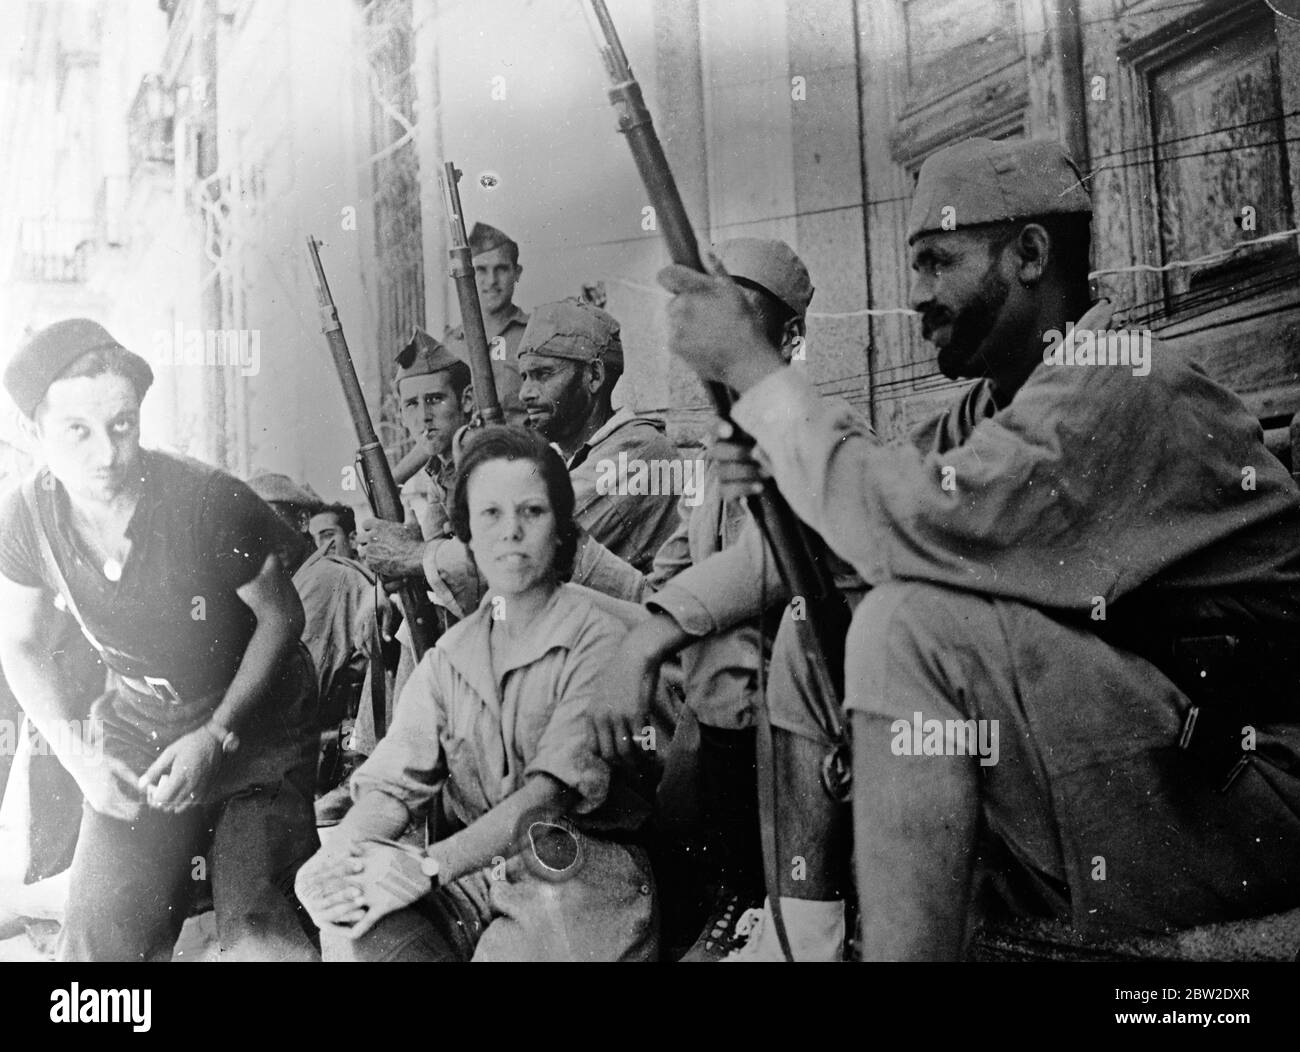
[932,320]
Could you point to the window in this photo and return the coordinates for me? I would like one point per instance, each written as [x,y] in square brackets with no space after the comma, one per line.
[1221,165]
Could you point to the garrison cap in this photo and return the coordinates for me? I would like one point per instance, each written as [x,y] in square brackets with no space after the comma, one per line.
[988,181]
[484,238]
[422,356]
[772,265]
[573,330]
[272,486]
[49,352]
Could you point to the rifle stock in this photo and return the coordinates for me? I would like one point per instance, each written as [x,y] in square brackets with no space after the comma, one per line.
[381,489]
[471,313]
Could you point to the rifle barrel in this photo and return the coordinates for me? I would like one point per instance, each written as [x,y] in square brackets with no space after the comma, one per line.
[381,489]
[800,555]
[471,311]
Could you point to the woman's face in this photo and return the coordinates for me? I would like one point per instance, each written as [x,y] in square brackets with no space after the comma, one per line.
[513,532]
[88,429]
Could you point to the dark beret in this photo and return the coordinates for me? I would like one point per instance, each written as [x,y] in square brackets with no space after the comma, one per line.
[49,352]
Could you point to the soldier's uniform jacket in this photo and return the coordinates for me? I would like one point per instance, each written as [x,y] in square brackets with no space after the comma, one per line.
[1094,490]
[632,525]
[1092,483]
[427,494]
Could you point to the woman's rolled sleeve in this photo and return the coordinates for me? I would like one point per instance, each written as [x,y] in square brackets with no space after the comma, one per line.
[567,748]
[407,763]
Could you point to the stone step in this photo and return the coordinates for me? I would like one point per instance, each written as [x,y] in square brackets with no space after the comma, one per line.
[1272,938]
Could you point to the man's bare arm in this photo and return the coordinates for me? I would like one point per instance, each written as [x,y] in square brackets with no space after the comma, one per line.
[280,619]
[27,634]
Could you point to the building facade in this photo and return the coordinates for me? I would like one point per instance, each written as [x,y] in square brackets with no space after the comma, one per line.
[173,159]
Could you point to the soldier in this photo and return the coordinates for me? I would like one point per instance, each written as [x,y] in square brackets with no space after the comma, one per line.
[295,505]
[497,271]
[204,744]
[570,358]
[435,400]
[1076,665]
[709,591]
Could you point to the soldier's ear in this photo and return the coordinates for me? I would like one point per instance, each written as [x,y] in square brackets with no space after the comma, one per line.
[596,377]
[1034,246]
[794,330]
[467,400]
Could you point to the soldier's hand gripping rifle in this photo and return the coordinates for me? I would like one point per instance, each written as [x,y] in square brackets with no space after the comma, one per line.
[800,554]
[487,404]
[385,498]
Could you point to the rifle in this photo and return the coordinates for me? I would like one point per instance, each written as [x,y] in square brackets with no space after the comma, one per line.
[471,314]
[800,554]
[385,498]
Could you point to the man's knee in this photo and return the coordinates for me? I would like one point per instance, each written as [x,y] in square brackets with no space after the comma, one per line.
[910,630]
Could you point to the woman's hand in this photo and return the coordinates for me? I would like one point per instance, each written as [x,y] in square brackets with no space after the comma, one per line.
[390,879]
[177,780]
[329,887]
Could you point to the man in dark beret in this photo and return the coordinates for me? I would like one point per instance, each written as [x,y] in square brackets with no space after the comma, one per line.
[203,746]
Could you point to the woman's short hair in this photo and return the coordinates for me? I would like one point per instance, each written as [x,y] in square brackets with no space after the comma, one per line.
[501,442]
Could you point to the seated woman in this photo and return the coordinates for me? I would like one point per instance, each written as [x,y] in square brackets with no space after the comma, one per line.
[496,715]
[200,756]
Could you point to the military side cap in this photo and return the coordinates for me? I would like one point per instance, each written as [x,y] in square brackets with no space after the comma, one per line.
[422,356]
[772,265]
[988,181]
[574,330]
[49,352]
[272,486]
[484,238]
